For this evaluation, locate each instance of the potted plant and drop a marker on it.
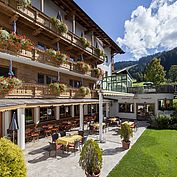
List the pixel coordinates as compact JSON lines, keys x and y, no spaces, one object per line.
{"x":98,"y":72}
{"x":61,"y":58}
{"x":57,"y":88}
{"x":84,"y":91}
{"x":23,"y":3}
{"x":99,"y":52}
{"x":91,"y":159}
{"x":83,"y":66}
{"x":125,"y":133}
{"x":60,"y":26}
{"x":85,"y":43}
{"x":9,"y":83}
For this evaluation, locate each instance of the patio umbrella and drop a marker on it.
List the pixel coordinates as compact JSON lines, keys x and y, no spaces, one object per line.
{"x":59,"y":17}
{"x":14,"y":27}
{"x":14,"y":126}
{"x":10,"y":73}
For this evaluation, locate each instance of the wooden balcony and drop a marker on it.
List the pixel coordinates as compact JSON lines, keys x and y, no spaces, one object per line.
{"x":40,"y":56}
{"x":35,"y":17}
{"x":29,"y":90}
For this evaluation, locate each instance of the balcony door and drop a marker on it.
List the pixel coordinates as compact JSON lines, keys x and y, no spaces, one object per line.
{"x":145,"y":111}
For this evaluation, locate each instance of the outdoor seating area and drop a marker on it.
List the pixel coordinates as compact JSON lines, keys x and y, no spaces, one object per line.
{"x":63,"y":150}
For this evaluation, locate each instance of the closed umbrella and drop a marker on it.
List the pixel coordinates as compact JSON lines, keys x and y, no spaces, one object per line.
{"x":14,"y":126}
{"x":10,"y":73}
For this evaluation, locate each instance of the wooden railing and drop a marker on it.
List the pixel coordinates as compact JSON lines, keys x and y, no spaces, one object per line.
{"x":44,"y":22}
{"x":29,"y":90}
{"x":40,"y":56}
{"x":152,"y":89}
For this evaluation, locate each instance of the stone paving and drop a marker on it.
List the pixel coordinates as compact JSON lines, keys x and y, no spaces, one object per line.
{"x":39,"y":164}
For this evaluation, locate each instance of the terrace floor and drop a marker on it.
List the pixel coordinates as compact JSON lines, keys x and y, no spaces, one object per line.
{"x":66,"y":165}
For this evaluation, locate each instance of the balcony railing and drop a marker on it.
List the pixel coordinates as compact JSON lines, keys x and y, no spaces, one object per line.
{"x":29,"y":90}
{"x":44,"y":22}
{"x":152,"y":89}
{"x":40,"y":56}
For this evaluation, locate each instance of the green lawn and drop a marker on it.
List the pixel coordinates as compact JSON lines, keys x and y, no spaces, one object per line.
{"x":138,"y":84}
{"x":153,"y":155}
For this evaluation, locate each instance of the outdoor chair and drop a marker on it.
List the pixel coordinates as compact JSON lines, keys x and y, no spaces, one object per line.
{"x":74,"y":146}
{"x":54,"y":137}
{"x":84,"y":139}
{"x":54,"y":147}
{"x":35,"y":136}
{"x":28,"y":134}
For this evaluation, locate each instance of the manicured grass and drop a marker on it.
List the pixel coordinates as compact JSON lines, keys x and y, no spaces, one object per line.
{"x":136,"y":84}
{"x":153,"y":155}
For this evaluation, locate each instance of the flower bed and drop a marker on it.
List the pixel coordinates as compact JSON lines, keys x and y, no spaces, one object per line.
{"x":7,"y":84}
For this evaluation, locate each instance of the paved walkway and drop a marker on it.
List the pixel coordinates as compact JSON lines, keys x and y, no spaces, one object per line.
{"x":66,"y":165}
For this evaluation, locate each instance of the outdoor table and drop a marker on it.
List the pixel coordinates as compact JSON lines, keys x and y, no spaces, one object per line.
{"x":97,"y":125}
{"x":68,"y":139}
{"x":129,"y":123}
{"x":112,"y":120}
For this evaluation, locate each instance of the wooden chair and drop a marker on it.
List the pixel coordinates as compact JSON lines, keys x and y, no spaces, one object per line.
{"x":35,"y":136}
{"x":74,"y":146}
{"x":54,"y":147}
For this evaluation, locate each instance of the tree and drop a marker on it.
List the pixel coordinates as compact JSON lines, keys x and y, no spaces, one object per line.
{"x":172,"y":74}
{"x":12,"y":163}
{"x":154,"y":72}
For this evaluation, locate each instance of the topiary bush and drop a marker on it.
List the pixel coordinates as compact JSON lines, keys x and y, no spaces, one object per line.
{"x":126,"y":132}
{"x":91,"y":158}
{"x":12,"y":163}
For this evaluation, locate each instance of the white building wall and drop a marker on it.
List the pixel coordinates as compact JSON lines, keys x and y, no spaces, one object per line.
{"x":107,"y":66}
{"x":138,"y":99}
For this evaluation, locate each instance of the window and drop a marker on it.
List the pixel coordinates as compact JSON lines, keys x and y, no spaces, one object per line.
{"x":50,"y":79}
{"x":126,"y":107}
{"x":166,"y":104}
{"x":75,"y":84}
{"x":29,"y":116}
{"x":106,"y":59}
{"x":45,"y":79}
{"x":4,"y":71}
{"x":65,"y":111}
{"x":41,"y":79}
{"x":47,"y":114}
{"x":41,"y":46}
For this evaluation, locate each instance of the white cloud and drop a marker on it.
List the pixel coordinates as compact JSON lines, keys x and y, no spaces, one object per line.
{"x":151,"y":29}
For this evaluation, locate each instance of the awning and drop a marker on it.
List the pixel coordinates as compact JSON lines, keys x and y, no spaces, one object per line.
{"x":11,"y":104}
{"x":112,"y":93}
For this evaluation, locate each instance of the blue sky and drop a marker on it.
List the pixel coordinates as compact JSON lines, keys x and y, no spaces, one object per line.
{"x":151,"y":25}
{"x":110,"y":15}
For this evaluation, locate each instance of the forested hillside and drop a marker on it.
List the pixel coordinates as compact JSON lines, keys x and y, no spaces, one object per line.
{"x":168,"y":58}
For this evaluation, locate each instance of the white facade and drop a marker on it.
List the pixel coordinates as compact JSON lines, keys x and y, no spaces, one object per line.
{"x":138,"y":99}
{"x":107,"y":65}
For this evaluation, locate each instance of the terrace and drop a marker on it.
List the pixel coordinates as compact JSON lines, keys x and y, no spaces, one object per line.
{"x":152,"y":89}
{"x":66,"y":164}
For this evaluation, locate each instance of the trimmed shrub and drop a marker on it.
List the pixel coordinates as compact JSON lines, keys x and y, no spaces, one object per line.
{"x":12,"y":162}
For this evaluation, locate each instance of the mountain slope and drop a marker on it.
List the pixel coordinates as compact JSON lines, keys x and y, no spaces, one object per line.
{"x":168,"y":58}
